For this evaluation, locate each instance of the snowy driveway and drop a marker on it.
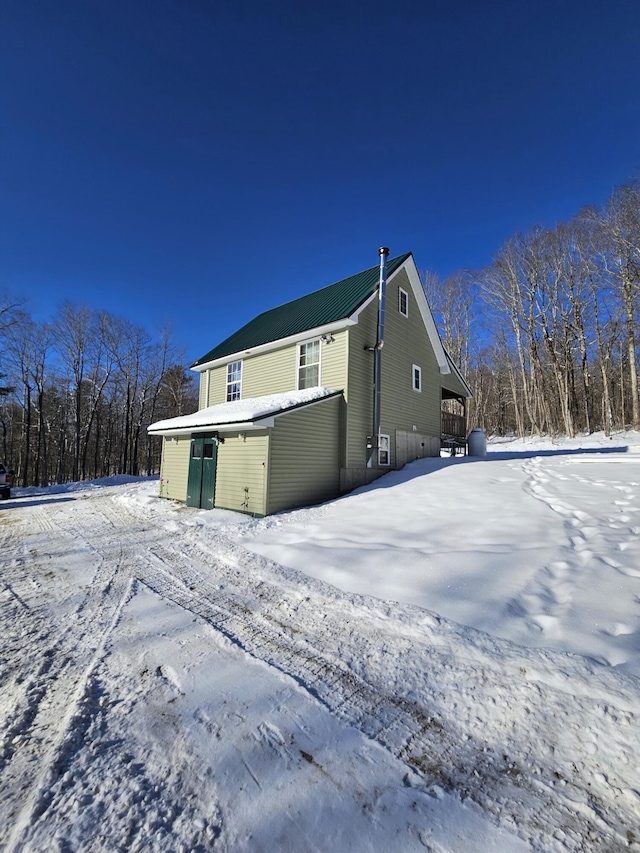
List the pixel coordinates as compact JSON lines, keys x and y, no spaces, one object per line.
{"x":163,"y":688}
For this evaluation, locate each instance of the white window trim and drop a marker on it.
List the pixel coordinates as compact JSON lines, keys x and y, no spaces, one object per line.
{"x":298,"y":348}
{"x":227,"y":383}
{"x":381,"y":450}
{"x":416,"y":368}
{"x":406,"y":298}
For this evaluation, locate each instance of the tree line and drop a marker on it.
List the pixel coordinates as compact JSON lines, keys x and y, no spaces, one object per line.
{"x":547,"y":335}
{"x":77,"y":394}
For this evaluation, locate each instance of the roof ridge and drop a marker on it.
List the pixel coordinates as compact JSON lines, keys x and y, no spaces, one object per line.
{"x":376,"y":267}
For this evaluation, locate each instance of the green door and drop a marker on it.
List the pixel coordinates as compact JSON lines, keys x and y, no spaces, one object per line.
{"x":201,"y":484}
{"x":209,"y":458}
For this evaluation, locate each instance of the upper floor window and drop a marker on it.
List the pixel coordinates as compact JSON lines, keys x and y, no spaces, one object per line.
{"x":403,"y":302}
{"x":309,"y":364}
{"x":234,"y":380}
{"x":416,"y":377}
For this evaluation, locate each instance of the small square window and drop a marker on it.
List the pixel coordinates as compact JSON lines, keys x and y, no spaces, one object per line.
{"x":416,"y":377}
{"x":403,"y":302}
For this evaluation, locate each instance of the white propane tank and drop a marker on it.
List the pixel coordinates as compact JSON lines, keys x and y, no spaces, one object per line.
{"x":477,"y":443}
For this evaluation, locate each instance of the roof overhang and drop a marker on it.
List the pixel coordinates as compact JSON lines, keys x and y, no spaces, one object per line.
{"x":425,"y":312}
{"x":240,"y":426}
{"x":454,"y":370}
{"x":265,"y":420}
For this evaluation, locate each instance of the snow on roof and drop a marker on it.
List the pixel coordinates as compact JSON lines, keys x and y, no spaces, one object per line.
{"x":241,"y":411}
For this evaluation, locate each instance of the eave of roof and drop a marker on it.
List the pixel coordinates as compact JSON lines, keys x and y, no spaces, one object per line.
{"x":456,"y":372}
{"x":253,"y":413}
{"x":320,"y":308}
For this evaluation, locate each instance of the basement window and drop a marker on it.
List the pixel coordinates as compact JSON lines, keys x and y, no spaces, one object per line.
{"x":403,"y":302}
{"x":234,"y":380}
{"x":309,"y":364}
{"x":384,"y":454}
{"x":416,"y":377}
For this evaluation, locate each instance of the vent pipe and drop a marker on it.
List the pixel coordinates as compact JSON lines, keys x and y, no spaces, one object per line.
{"x":382,"y":290}
{"x":377,"y":355}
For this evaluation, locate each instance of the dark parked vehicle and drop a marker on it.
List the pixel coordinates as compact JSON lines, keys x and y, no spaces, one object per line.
{"x":6,"y":481}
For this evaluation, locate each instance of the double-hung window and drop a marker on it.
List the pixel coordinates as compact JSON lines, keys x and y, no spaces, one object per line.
{"x":234,"y":380}
{"x":384,"y":457}
{"x":309,"y":364}
{"x":416,"y":377}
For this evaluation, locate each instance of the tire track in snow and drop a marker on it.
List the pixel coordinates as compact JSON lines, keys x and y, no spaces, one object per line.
{"x":38,"y":797}
{"x":43,"y":706}
{"x":71,"y":706}
{"x":26,"y":624}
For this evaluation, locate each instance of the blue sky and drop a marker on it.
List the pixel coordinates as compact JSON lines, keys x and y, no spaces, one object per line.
{"x":199,"y":162}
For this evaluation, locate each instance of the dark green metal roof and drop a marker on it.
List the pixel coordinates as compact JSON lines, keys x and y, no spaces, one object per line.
{"x":332,"y":303}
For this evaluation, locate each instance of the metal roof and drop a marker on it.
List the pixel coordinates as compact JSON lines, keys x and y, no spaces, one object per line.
{"x":335,"y":302}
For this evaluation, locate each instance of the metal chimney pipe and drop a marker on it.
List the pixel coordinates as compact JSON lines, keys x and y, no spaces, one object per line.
{"x":382,"y":290}
{"x":377,"y":354}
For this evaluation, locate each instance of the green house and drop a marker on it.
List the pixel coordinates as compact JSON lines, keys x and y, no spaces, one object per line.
{"x":316,"y":397}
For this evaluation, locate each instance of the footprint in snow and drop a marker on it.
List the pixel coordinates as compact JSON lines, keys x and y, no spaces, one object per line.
{"x":624,"y":570}
{"x":620,"y":629}
{"x":272,"y":736}
{"x":169,"y":677}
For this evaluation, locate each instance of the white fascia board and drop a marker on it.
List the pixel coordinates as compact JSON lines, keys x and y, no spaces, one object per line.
{"x":454,"y":370}
{"x":240,"y":426}
{"x":374,"y":296}
{"x":328,"y":328}
{"x":425,"y":313}
{"x":355,"y":317}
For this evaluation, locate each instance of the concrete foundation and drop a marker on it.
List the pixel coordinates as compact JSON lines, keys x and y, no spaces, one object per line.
{"x":353,"y":478}
{"x":412,"y":445}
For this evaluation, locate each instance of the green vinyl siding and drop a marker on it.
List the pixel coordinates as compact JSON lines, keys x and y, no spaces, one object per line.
{"x":270,"y":372}
{"x":333,"y":362}
{"x":304,"y":466}
{"x":406,"y":344}
{"x":213,"y":387}
{"x":218,"y":385}
{"x":241,"y":472}
{"x":359,"y":388}
{"x":174,"y":469}
{"x":275,"y":371}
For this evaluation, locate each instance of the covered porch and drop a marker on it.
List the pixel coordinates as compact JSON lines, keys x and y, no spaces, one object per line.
{"x":453,"y":423}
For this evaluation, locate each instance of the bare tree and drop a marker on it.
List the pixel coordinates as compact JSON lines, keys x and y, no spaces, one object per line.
{"x":74,"y":332}
{"x":620,"y":221}
{"x":26,"y":346}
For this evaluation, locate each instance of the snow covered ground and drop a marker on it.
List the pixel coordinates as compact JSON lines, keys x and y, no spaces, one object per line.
{"x":446,"y":660}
